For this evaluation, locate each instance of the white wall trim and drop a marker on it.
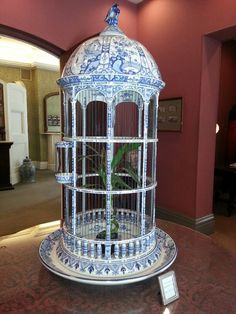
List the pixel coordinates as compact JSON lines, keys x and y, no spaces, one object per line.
{"x":41,"y":165}
{"x":51,"y":167}
{"x":15,"y":176}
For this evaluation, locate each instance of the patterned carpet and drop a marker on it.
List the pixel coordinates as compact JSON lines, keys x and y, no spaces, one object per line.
{"x":225,"y":227}
{"x":30,"y":204}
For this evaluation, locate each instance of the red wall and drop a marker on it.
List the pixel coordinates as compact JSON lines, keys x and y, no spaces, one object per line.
{"x":173,"y":31}
{"x":65,"y":22}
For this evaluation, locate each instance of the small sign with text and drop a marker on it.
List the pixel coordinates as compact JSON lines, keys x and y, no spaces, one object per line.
{"x":168,"y":286}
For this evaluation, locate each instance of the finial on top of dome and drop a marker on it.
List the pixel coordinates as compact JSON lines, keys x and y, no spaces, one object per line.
{"x":112,"y":15}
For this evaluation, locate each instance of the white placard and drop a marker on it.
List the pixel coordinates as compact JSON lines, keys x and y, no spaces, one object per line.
{"x":168,"y":286}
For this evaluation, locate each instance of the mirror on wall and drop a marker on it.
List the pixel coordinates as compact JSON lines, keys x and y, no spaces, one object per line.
{"x":52,"y":109}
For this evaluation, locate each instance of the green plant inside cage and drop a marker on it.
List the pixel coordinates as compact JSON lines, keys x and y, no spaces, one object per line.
{"x":98,"y":162}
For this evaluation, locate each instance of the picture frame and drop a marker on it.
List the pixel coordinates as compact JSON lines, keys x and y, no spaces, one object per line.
{"x":168,"y":286}
{"x":170,"y":114}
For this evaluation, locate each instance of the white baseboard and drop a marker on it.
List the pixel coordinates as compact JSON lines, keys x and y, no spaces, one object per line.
{"x":51,"y":167}
{"x":15,"y":177}
{"x":41,"y":165}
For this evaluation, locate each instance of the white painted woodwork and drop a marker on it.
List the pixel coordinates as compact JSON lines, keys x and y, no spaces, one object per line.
{"x":53,"y":138}
{"x":17,"y":127}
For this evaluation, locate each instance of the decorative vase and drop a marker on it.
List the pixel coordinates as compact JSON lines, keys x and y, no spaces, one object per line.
{"x":27,"y":171}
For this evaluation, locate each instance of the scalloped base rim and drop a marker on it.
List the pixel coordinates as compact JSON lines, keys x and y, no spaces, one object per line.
{"x":49,"y":258}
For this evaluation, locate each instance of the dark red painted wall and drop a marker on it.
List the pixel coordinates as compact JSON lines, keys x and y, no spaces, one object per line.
{"x":65,"y":22}
{"x":174,"y":32}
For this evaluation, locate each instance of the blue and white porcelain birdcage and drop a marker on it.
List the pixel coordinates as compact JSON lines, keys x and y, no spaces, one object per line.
{"x":107,"y":164}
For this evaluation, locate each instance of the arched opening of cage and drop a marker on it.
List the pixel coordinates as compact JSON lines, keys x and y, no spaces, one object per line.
{"x":91,"y":111}
{"x":126,"y":161}
{"x":128,"y":114}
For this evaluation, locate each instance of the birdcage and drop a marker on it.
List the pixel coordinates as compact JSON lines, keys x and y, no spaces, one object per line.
{"x":106,"y":163}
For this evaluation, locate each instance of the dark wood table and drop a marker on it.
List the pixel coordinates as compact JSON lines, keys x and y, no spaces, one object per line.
{"x":205,"y":273}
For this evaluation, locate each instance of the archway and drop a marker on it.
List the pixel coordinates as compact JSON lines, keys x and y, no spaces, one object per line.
{"x":35,"y":201}
{"x":32,"y":39}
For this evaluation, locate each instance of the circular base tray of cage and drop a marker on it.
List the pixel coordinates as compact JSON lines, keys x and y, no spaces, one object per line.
{"x":108,"y":273}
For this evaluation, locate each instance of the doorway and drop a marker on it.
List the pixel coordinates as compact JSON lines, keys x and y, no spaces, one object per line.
{"x":225,"y":226}
{"x":45,"y":190}
{"x":37,"y":71}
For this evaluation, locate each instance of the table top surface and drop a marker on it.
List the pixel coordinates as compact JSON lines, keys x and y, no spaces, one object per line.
{"x":205,"y":274}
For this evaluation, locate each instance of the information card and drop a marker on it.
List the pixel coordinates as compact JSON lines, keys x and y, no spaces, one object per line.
{"x":168,"y":286}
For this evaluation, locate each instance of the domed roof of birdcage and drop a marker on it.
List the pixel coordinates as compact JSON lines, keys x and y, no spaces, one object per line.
{"x":111,"y":58}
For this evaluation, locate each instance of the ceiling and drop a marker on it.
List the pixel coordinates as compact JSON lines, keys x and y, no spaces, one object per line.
{"x":135,"y":1}
{"x":15,"y":52}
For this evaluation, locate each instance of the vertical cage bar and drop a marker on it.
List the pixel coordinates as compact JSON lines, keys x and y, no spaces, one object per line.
{"x":65,"y":112}
{"x":84,"y":154}
{"x":140,"y":110}
{"x":109,"y":150}
{"x":144,"y":166}
{"x":66,"y":206}
{"x":64,"y":129}
{"x":154,"y":158}
{"x":74,"y":170}
{"x":66,"y":159}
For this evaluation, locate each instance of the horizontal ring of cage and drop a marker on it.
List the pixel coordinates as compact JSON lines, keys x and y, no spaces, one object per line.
{"x":64,"y":144}
{"x":84,"y":242}
{"x":96,"y":217}
{"x":127,"y":250}
{"x":62,"y":177}
{"x":103,"y":139}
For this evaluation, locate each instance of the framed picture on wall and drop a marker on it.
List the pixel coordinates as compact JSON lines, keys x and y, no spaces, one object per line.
{"x":170,"y":112}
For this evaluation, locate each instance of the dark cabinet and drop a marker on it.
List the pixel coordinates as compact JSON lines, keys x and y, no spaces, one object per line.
{"x":2,"y":117}
{"x":5,"y":166}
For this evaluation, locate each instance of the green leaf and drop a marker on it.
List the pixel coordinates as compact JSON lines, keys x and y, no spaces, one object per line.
{"x":87,"y":157}
{"x":118,"y":182}
{"x":89,"y":185}
{"x":132,"y":172}
{"x":93,"y":149}
{"x":102,"y":174}
{"x":114,"y":225}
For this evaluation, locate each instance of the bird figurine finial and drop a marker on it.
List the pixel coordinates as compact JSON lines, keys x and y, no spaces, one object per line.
{"x":112,"y":15}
